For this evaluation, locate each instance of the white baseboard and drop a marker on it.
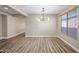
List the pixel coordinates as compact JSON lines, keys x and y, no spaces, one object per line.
{"x":41,"y":36}
{"x":77,"y":50}
{"x":14,"y":35}
{"x":3,"y":38}
{"x":11,"y":36}
{"x":0,"y":38}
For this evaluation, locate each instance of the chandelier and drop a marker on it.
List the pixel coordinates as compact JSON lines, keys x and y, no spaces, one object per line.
{"x":43,"y":16}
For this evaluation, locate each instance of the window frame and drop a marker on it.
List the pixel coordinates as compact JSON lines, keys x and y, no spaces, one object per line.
{"x":74,"y":11}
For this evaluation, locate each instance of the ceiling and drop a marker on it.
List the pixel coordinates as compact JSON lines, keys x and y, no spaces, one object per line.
{"x":35,"y":9}
{"x":3,"y":8}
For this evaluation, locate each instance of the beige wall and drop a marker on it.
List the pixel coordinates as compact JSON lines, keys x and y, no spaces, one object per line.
{"x":16,"y":25}
{"x":0,"y":27}
{"x":11,"y":25}
{"x":4,"y":26}
{"x":34,"y":27}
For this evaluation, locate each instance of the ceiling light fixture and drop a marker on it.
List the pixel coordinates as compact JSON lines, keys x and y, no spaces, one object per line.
{"x":43,"y":16}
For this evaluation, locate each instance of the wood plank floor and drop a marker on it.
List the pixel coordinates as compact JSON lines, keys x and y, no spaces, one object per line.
{"x":20,"y":44}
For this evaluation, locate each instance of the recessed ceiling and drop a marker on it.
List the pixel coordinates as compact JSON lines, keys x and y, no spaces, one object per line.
{"x":37,"y":9}
{"x":7,"y":9}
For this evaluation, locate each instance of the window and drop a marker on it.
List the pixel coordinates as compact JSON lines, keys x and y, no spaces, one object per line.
{"x":72,"y":13}
{"x":69,"y":23}
{"x":78,"y":10}
{"x":72,"y":24}
{"x":64,"y":17}
{"x":72,"y":27}
{"x":64,"y":24}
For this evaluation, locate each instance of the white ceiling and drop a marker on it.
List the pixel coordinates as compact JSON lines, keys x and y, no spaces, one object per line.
{"x":37,"y":9}
{"x":9,"y":10}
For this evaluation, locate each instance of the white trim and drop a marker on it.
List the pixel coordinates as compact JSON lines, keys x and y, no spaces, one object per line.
{"x":0,"y":38}
{"x":3,"y":38}
{"x":77,"y":50}
{"x":17,"y":9}
{"x":41,"y":36}
{"x":14,"y":35}
{"x":11,"y":36}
